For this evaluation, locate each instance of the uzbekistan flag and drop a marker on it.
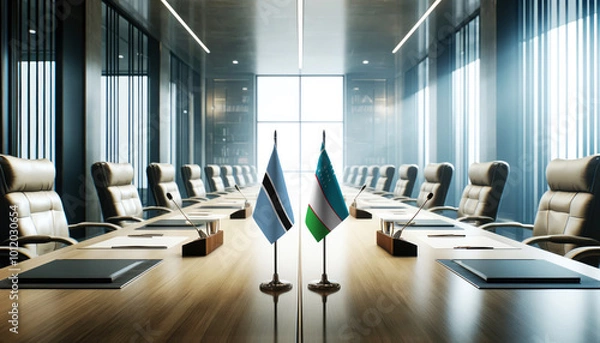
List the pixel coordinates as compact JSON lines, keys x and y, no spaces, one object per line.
{"x":327,"y":208}
{"x":273,"y":212}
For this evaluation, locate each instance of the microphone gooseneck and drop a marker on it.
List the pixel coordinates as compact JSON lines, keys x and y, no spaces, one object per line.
{"x":399,"y":233}
{"x":201,"y":233}
{"x":360,"y":191}
{"x":237,"y":188}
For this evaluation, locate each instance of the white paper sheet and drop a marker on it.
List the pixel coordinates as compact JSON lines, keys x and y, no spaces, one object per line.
{"x":150,"y":242}
{"x":466,"y":243}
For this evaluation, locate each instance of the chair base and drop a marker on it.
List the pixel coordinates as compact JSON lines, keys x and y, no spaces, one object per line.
{"x":396,"y":246}
{"x":203,"y":246}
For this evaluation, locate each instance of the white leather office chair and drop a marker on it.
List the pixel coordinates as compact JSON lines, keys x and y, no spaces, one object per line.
{"x":568,"y":215}
{"x":27,"y":195}
{"x":119,"y":198}
{"x":480,"y":199}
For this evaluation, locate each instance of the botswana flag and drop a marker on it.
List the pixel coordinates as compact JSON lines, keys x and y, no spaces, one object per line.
{"x":273,"y":212}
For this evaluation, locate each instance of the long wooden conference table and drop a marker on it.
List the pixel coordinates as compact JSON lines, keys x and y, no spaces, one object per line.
{"x":382,"y":298}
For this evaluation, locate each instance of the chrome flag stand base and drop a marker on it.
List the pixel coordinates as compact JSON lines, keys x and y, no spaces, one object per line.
{"x":324,"y":285}
{"x":275,"y":285}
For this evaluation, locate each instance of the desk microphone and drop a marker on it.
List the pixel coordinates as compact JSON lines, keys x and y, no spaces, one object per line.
{"x":399,"y":233}
{"x":360,"y":191}
{"x":239,"y":190}
{"x":201,"y":233}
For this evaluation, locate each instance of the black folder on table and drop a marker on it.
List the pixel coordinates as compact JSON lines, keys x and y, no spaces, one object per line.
{"x":519,"y":271}
{"x":78,"y":271}
{"x":83,"y":273}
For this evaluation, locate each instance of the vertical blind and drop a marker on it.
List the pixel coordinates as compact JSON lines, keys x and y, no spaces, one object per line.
{"x":559,"y":52}
{"x":32,"y":61}
{"x":415,"y":103}
{"x":465,"y":97}
{"x":125,"y":100}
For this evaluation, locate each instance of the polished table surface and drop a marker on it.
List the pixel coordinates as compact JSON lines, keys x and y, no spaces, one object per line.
{"x":382,"y":298}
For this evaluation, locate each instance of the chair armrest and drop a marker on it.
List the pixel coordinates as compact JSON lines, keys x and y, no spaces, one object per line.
{"x":495,"y":225}
{"x":443,"y":208}
{"x":406,"y":199}
{"x":194,"y":200}
{"x":579,"y":254}
{"x":402,"y":197}
{"x":40,"y":239}
{"x":118,"y":219}
{"x":107,"y":226}
{"x":199,"y":198}
{"x":213,"y":195}
{"x":563,"y":239}
{"x":157,"y":208}
{"x":479,"y":220}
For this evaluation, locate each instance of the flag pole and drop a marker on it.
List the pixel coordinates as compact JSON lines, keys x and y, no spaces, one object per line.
{"x":324,"y":285}
{"x":275,"y":286}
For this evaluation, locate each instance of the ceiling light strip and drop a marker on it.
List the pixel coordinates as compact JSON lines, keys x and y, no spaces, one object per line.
{"x":300,"y":20}
{"x":185,"y":26}
{"x":414,"y":28}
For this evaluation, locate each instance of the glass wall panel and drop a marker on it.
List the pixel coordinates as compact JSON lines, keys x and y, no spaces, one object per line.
{"x":465,"y":96}
{"x":125,"y":95}
{"x":279,"y":99}
{"x":322,"y":109}
{"x":185,"y":105}
{"x":33,"y":74}
{"x":561,"y":75}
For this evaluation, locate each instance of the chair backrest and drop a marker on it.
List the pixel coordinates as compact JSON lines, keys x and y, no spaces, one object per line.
{"x":352,"y":175}
{"x":361,"y":175}
{"x":254,"y":173}
{"x":27,"y":186}
{"x":481,"y":197}
{"x":571,"y":205}
{"x":213,"y":177}
{"x":192,"y":179}
{"x":114,"y":185}
{"x":372,"y":175}
{"x":407,"y":177}
{"x":386,"y":176}
{"x":346,"y":175}
{"x":238,"y":175}
{"x":161,"y":179}
{"x":437,"y":181}
{"x":227,"y":175}
{"x":247,"y":172}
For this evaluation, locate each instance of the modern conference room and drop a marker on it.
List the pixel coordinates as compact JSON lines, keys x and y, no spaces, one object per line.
{"x":299,"y":171}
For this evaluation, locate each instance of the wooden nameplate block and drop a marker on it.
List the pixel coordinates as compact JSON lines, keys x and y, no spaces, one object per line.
{"x":203,"y":246}
{"x":396,"y":246}
{"x":358,"y":213}
{"x":243,"y":213}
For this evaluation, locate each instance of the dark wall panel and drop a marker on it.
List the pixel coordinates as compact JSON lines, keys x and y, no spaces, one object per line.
{"x":70,"y":109}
